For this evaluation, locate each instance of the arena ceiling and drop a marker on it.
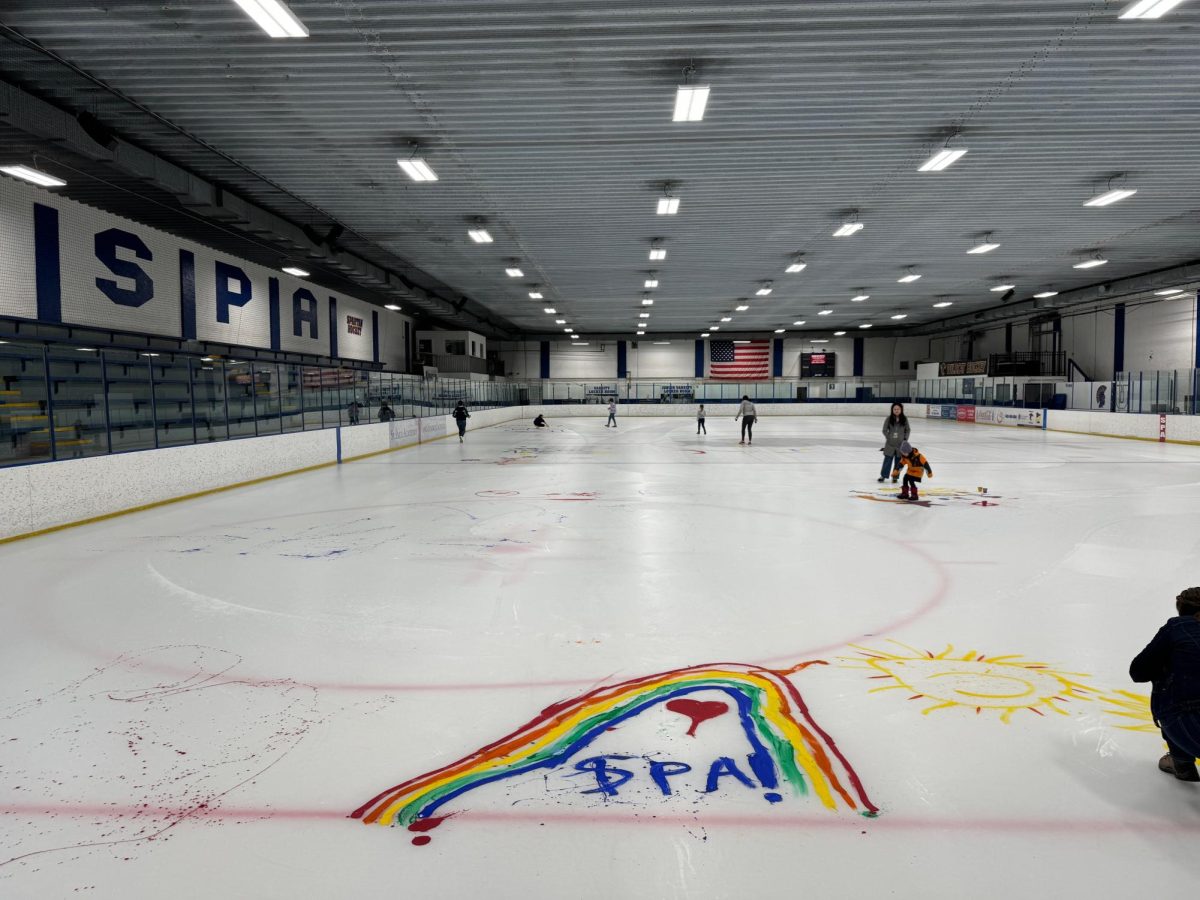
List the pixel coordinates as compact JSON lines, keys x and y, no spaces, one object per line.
{"x":550,"y":124}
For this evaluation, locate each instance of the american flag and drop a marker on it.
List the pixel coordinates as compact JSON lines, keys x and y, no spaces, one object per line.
{"x":741,"y":361}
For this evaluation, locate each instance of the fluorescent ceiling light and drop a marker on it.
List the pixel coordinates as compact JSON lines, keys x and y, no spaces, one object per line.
{"x":550,"y":310}
{"x":560,"y":321}
{"x":796,"y":267}
{"x":741,"y":308}
{"x":860,"y":298}
{"x":1110,"y":197}
{"x":296,"y":270}
{"x":1168,"y":293}
{"x":641,"y":333}
{"x":568,"y":330}
{"x":574,"y":337}
{"x":1089,"y":264}
{"x":647,"y":301}
{"x":1001,"y":288}
{"x":943,"y":304}
{"x":714,"y":327}
{"x":741,"y":342}
{"x":149,"y":354}
{"x":823,"y":340}
{"x":651,"y":283}
{"x":514,"y":273}
{"x":704,"y":334}
{"x":835,"y":334}
{"x":848,"y":229}
{"x":909,"y":278}
{"x":868,"y":325}
{"x":208,"y":359}
{"x":86,"y":349}
{"x":1044,"y":294}
{"x":480,"y":235}
{"x":825,"y":312}
{"x":899,"y":316}
{"x":668,"y":206}
{"x":763,"y":291}
{"x":690,"y":101}
{"x":274,"y":18}
{"x":417,"y":169}
{"x":798,"y":322}
{"x":780,"y":330}
{"x":727,"y":319}
{"x":941,"y":160}
{"x":643,"y":315}
{"x":662,"y":343}
{"x":1149,"y":9}
{"x":658,"y":253}
{"x":985,"y":247}
{"x":392,"y":306}
{"x":28,"y":174}
{"x":535,"y":295}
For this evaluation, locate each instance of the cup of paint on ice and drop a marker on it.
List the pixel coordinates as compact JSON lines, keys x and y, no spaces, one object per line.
{"x":981,"y":490}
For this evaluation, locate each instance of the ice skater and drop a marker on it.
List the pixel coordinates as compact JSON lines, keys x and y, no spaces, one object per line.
{"x":540,"y":421}
{"x":1171,"y":663}
{"x":895,"y":433}
{"x":355,"y":409}
{"x":748,"y":413}
{"x":700,"y":420}
{"x":612,"y":414}
{"x":915,"y":464}
{"x":386,"y":413}
{"x":461,"y":415}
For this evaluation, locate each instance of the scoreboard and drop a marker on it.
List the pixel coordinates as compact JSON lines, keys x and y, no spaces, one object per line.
{"x":818,"y":365}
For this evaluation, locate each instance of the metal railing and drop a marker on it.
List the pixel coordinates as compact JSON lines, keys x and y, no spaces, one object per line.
{"x":62,"y":402}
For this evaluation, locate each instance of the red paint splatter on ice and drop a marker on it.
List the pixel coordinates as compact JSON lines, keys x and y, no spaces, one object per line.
{"x":698,"y":711}
{"x":421,"y":840}
{"x":427,"y":824}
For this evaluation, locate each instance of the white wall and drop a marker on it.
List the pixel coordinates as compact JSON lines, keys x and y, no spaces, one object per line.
{"x":675,"y":360}
{"x":598,"y":360}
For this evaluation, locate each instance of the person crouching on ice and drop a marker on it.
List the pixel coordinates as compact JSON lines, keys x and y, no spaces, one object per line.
{"x":916,"y":465}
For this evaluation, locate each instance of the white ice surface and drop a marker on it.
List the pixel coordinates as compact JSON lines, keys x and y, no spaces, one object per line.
{"x":192,"y":699}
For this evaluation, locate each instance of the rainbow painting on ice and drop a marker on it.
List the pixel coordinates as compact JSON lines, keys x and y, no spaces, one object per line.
{"x":787,"y":747}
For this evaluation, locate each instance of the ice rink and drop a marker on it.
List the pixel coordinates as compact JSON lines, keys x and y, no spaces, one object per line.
{"x":569,"y":663}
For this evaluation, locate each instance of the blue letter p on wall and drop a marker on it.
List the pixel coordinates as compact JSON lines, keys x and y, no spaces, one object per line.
{"x":233,"y":289}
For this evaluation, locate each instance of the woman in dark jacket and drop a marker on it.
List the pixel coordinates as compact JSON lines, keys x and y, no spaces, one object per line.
{"x":895,"y":433}
{"x":1171,"y":662}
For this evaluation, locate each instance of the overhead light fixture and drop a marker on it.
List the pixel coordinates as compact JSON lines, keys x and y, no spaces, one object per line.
{"x":274,"y":17}
{"x":825,"y":312}
{"x":690,"y":101}
{"x":416,"y":168}
{"x":764,"y":289}
{"x":835,"y":334}
{"x":798,"y":322}
{"x":650,"y":283}
{"x":741,"y":342}
{"x":568,"y":330}
{"x":202,"y":359}
{"x":899,"y":316}
{"x":823,"y":340}
{"x":944,"y":158}
{"x":909,"y":278}
{"x":149,"y":354}
{"x":640,"y":333}
{"x":860,"y":298}
{"x":714,"y":327}
{"x":1108,"y":198}
{"x":1149,"y":9}
{"x":1044,"y":294}
{"x":560,"y":321}
{"x":780,"y":330}
{"x":798,"y":265}
{"x":656,"y":250}
{"x":480,"y":235}
{"x":667,"y":205}
{"x":550,"y":310}
{"x":514,"y":272}
{"x":392,"y":306}
{"x":742,"y":308}
{"x":1001,"y":288}
{"x":943,"y":304}
{"x":535,"y":295}
{"x":91,"y":350}
{"x":868,"y":325}
{"x":727,"y":319}
{"x":643,"y":315}
{"x":849,"y":227}
{"x":662,"y":343}
{"x":33,"y":175}
{"x":296,"y":270}
{"x":1168,"y":293}
{"x":987,"y":245}
{"x":647,"y":301}
{"x":1090,"y":263}
{"x":704,"y":334}
{"x":574,"y":337}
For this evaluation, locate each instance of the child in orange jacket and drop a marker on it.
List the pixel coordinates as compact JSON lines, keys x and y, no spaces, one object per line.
{"x":917,"y":466}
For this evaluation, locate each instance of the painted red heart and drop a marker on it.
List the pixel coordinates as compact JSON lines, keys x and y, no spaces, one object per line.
{"x":698,"y":711}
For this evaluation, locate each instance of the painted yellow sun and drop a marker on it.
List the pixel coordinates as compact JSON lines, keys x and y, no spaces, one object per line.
{"x":972,"y":680}
{"x":1134,"y":708}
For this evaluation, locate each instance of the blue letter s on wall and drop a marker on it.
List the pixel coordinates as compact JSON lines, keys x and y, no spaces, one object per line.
{"x":107,"y":244}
